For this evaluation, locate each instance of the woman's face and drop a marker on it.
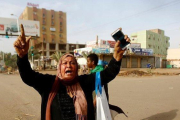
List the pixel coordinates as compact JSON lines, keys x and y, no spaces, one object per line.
{"x":68,"y":68}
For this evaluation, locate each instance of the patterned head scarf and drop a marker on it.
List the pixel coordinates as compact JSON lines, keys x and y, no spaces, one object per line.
{"x":74,"y":90}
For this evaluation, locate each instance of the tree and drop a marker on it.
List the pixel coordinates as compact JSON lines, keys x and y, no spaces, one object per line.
{"x":56,"y":56}
{"x":1,"y":55}
{"x":36,"y":54}
{"x":10,"y":60}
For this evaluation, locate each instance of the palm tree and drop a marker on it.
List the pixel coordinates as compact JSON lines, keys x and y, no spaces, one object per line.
{"x":56,"y":56}
{"x":36,"y":54}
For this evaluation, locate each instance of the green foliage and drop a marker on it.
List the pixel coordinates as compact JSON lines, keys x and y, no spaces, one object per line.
{"x":36,"y":54}
{"x":10,"y":60}
{"x":1,"y":55}
{"x":56,"y":56}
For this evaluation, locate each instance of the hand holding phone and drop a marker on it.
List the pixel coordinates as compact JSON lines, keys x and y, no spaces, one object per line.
{"x":118,"y":35}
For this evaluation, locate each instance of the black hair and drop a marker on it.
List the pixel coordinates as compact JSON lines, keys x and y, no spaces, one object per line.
{"x":93,"y":57}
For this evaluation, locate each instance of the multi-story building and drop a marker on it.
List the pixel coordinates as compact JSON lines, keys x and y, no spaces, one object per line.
{"x":173,"y":58}
{"x":152,"y":39}
{"x":53,"y":31}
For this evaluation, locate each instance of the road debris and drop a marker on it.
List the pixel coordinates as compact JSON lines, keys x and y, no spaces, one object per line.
{"x":28,"y":115}
{"x":133,"y":73}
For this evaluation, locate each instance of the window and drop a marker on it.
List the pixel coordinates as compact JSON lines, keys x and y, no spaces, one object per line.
{"x":52,"y":23}
{"x":44,"y":40}
{"x":60,"y":36}
{"x":61,"y":30}
{"x":53,"y":40}
{"x":43,"y":28}
{"x":44,"y":22}
{"x":149,"y":46}
{"x":60,"y":23}
{"x":52,"y":16}
{"x":44,"y":15}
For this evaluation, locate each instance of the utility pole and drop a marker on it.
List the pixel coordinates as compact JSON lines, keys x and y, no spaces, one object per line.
{"x":32,"y":55}
{"x":2,"y":50}
{"x":17,"y":22}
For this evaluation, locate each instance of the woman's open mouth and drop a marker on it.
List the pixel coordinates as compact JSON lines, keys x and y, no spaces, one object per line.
{"x":68,"y":72}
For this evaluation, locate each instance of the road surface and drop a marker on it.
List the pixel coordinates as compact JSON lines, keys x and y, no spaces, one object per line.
{"x":141,"y":98}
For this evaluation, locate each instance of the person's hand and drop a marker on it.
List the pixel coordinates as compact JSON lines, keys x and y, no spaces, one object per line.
{"x":21,"y":45}
{"x":118,"y":52}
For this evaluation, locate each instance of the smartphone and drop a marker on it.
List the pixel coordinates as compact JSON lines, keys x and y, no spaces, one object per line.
{"x":118,"y":35}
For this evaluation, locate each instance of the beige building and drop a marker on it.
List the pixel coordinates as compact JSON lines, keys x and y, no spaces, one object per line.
{"x":53,"y":31}
{"x":173,"y":58}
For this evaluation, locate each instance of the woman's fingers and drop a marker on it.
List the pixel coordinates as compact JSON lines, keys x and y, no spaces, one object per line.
{"x":28,"y":39}
{"x":117,"y":44}
{"x":127,"y":38}
{"x":23,"y":38}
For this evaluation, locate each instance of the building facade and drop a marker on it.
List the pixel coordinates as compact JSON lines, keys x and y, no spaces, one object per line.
{"x":152,"y":39}
{"x":173,"y":58}
{"x":53,"y":31}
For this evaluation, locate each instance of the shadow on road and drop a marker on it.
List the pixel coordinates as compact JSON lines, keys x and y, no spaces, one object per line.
{"x":163,"y":116}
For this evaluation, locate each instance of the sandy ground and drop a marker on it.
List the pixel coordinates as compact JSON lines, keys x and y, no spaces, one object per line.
{"x":160,"y":70}
{"x":141,"y":98}
{"x":147,"y":98}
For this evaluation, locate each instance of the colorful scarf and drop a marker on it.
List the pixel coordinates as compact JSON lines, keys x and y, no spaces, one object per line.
{"x":74,"y":90}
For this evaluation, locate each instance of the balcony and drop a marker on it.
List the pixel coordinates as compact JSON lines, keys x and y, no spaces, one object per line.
{"x":44,"y":22}
{"x":52,"y":23}
{"x":61,"y":30}
{"x":61,"y":36}
{"x":35,"y":17}
{"x":52,"y":14}
{"x":61,"y":24}
{"x":43,"y":28}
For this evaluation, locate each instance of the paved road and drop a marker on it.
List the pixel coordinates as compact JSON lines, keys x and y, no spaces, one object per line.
{"x":143,"y":98}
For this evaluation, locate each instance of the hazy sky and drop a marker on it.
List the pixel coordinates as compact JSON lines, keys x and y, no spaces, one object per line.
{"x":88,"y":18}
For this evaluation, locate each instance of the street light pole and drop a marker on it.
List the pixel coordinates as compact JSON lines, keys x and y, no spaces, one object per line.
{"x":32,"y":55}
{"x":19,"y":34}
{"x":2,"y":49}
{"x":17,"y":23}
